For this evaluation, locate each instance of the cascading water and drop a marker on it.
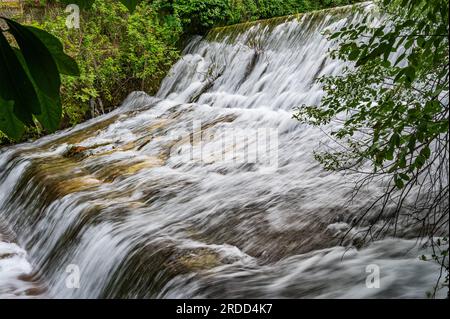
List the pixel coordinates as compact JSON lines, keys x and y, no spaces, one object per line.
{"x":128,"y":207}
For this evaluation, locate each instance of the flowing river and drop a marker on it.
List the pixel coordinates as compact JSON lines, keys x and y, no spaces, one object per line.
{"x":208,"y":189}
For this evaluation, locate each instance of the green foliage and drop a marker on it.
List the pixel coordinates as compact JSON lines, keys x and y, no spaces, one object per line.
{"x":391,"y":104}
{"x":116,"y":52}
{"x":9,"y":123}
{"x":16,"y":86}
{"x":439,"y":255}
{"x":198,"y":16}
{"x":397,"y":93}
{"x":121,"y":46}
{"x":66,"y":65}
{"x":85,"y":4}
{"x":30,"y":78}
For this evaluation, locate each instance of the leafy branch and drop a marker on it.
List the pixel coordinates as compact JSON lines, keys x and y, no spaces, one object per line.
{"x":391,"y":115}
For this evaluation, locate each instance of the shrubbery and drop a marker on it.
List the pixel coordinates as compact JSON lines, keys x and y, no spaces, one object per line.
{"x":118,"y":52}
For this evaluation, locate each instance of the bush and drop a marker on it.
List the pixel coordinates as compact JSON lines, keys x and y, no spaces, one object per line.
{"x":198,"y":16}
{"x":118,"y":52}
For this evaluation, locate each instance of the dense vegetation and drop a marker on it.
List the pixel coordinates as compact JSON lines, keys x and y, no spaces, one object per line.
{"x":118,"y":51}
{"x":198,"y":16}
{"x":392,"y":110}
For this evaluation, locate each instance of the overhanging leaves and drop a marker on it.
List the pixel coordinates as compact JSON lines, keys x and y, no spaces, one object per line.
{"x":51,"y":109}
{"x":39,"y":60}
{"x":66,"y":65}
{"x":30,"y":79}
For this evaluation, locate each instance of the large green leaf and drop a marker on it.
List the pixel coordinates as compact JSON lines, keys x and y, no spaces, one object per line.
{"x":15,"y":84}
{"x":39,"y":60}
{"x":66,"y":65}
{"x":51,"y":108}
{"x":9,"y":123}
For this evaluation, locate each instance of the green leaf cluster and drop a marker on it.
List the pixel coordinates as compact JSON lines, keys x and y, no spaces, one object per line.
{"x":121,"y":46}
{"x":30,"y":66}
{"x":392,"y":101}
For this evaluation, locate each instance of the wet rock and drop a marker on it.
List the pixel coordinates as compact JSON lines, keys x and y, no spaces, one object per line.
{"x":193,"y":260}
{"x":79,"y":135}
{"x":112,"y":172}
{"x":153,"y":265}
{"x":76,"y":152}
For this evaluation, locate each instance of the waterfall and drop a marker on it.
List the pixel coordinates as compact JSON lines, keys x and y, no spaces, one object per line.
{"x":208,"y":189}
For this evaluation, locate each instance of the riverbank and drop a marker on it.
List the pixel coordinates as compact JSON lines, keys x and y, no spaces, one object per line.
{"x":118,"y":52}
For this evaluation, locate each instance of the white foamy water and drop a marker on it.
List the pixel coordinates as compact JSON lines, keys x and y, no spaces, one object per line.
{"x":13,"y":265}
{"x":122,"y":206}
